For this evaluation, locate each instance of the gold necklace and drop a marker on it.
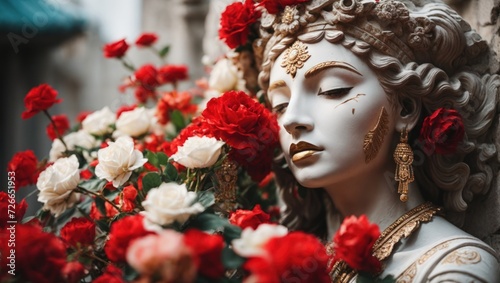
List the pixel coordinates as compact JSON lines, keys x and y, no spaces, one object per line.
{"x":403,"y":227}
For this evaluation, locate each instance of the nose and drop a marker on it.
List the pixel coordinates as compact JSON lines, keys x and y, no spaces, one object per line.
{"x":297,"y":118}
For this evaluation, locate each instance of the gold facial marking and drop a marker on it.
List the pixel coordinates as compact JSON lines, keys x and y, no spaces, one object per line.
{"x":374,"y":138}
{"x":349,"y":99}
{"x":330,"y":64}
{"x":276,"y":84}
{"x":294,"y":58}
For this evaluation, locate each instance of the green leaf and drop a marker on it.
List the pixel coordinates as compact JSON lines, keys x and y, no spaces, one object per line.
{"x":164,"y":51}
{"x":151,"y":180}
{"x":178,"y":120}
{"x":230,"y":259}
{"x":162,"y":158}
{"x":171,"y":173}
{"x":210,"y":222}
{"x":94,"y":185}
{"x":206,"y":198}
{"x":99,"y":203}
{"x":130,"y":274}
{"x":102,"y":224}
{"x":152,"y":158}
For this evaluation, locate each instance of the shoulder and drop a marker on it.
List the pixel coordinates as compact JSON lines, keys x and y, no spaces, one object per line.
{"x":450,"y":255}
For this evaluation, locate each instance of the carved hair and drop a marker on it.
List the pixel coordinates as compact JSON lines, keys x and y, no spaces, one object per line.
{"x":443,"y":75}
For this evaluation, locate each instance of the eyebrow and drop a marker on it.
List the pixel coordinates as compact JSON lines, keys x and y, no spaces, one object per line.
{"x":276,"y":84}
{"x":330,"y":64}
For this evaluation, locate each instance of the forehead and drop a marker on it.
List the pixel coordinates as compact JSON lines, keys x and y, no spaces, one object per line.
{"x":322,"y":51}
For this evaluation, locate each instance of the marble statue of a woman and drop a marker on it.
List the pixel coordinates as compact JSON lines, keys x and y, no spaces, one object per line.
{"x":384,"y":110}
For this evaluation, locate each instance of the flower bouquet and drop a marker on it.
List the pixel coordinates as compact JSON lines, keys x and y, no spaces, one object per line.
{"x":165,"y":190}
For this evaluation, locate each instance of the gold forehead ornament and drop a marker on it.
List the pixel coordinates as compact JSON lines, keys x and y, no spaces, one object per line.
{"x":294,"y":57}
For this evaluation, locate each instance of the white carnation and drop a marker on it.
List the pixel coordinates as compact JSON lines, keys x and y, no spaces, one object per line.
{"x":56,"y":185}
{"x":133,"y":123}
{"x":252,"y":241}
{"x":118,"y":160}
{"x":100,"y":122}
{"x":198,"y":152}
{"x":170,"y":202}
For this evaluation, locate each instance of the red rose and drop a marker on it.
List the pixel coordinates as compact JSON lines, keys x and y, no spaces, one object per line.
{"x":127,"y":198}
{"x":172,"y":73}
{"x":296,"y":257}
{"x":442,"y":131}
{"x":62,"y":125}
{"x":122,"y":233}
{"x":115,"y":49}
{"x":249,"y":218}
{"x":275,"y":6}
{"x":7,"y":202}
{"x":146,"y":75}
{"x":73,"y":272}
{"x":124,"y":108}
{"x":38,"y":99}
{"x":24,"y":165}
{"x":40,"y":256}
{"x":78,"y":231}
{"x":247,"y":127}
{"x":112,"y":274}
{"x":208,"y":250}
{"x":96,"y":214}
{"x":146,"y":39}
{"x":353,"y":243}
{"x":86,"y":174}
{"x":236,"y":22}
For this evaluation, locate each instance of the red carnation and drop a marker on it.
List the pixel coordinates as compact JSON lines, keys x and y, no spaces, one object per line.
{"x":61,"y":126}
{"x":208,"y":250}
{"x":249,"y":218}
{"x":236,"y":22}
{"x":122,"y":233}
{"x":171,"y":101}
{"x":291,"y":258}
{"x":124,"y":108}
{"x":112,"y":274}
{"x":247,"y":127}
{"x":146,"y":39}
{"x":275,"y":6}
{"x":78,"y":231}
{"x":73,"y":272}
{"x":127,"y":198}
{"x":172,"y":73}
{"x":7,"y":202}
{"x":96,"y":214}
{"x":38,"y":99}
{"x":40,"y":256}
{"x":142,"y":94}
{"x":146,"y":75}
{"x":442,"y":131}
{"x":115,"y":49}
{"x":353,"y":243}
{"x":24,"y":166}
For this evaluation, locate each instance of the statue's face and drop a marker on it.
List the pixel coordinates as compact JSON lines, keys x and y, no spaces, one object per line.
{"x":325,"y":112}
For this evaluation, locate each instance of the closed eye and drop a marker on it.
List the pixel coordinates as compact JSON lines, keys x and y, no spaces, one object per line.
{"x":335,"y":93}
{"x":280,"y":108}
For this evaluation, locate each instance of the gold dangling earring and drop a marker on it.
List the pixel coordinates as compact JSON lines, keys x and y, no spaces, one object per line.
{"x":403,"y":156}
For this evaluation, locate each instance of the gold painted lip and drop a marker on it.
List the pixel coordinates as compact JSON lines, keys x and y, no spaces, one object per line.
{"x":303,"y":150}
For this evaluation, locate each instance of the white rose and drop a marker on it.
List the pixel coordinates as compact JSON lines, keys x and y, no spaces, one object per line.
{"x":170,"y":202}
{"x":133,"y":123}
{"x":118,"y":160}
{"x":56,"y":185}
{"x":198,"y":152}
{"x":224,"y":76}
{"x":72,"y":140}
{"x":99,"y":122}
{"x":251,"y":241}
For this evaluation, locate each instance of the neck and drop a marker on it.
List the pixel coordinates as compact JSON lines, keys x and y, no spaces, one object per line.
{"x":375,"y":196}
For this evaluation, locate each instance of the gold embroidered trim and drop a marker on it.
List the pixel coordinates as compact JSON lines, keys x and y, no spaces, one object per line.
{"x":462,"y":257}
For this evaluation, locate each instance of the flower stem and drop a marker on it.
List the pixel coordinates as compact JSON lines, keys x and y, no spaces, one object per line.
{"x":85,"y":191}
{"x":127,"y":64}
{"x":55,"y":128}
